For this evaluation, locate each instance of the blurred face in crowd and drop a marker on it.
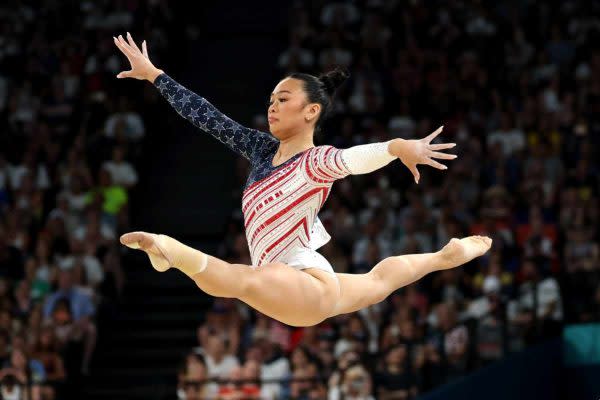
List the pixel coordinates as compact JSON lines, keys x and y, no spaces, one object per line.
{"x":215,"y":346}
{"x":65,"y":280}
{"x":254,"y":353}
{"x":529,"y":270}
{"x":17,"y":359}
{"x":299,"y":357}
{"x":396,"y":356}
{"x":196,"y":369}
{"x":104,"y":178}
{"x":289,"y":110}
{"x":251,"y":370}
{"x":62,"y":313}
{"x":5,"y":320}
{"x":356,"y":380}
{"x":47,"y":338}
{"x":407,"y":329}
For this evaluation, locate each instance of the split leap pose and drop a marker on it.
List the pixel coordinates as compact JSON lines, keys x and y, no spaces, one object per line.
{"x":289,"y":181}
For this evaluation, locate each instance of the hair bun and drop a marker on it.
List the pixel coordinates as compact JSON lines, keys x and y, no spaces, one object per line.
{"x":334,"y":79}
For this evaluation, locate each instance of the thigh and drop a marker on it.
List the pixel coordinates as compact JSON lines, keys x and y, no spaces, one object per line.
{"x":357,"y":291}
{"x":295,"y":297}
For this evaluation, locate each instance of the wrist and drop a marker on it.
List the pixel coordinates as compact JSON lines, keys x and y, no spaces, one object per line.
{"x":398,"y":147}
{"x":154,"y":73}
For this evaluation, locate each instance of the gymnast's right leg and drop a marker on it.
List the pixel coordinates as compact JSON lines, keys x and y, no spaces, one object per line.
{"x":286,"y":294}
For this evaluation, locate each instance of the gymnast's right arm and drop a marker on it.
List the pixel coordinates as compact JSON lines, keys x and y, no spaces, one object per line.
{"x":247,"y":142}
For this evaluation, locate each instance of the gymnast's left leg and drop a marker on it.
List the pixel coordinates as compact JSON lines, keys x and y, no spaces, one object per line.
{"x":362,"y":290}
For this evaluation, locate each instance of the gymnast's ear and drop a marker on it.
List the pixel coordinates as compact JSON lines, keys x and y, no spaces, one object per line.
{"x":312,"y":112}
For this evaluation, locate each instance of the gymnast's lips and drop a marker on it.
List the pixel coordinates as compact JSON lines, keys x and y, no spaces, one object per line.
{"x":272,"y":119}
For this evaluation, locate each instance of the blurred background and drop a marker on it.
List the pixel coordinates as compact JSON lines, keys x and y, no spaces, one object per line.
{"x":85,"y":157}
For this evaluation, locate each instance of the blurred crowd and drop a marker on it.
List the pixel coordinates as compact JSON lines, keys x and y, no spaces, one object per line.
{"x":517,"y":87}
{"x":69,"y":144}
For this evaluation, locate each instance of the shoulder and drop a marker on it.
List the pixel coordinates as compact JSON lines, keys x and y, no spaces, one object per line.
{"x":263,"y":143}
{"x":323,"y":151}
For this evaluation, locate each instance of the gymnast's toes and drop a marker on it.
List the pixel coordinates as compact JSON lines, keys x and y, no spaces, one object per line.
{"x":137,"y":240}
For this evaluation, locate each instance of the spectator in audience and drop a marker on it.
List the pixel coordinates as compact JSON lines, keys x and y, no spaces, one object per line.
{"x":222,"y":319}
{"x":274,"y":367}
{"x":219,"y":364}
{"x":75,"y":313}
{"x":23,"y":375}
{"x":193,"y":380}
{"x":122,"y":172}
{"x":355,"y":384}
{"x":125,"y":125}
{"x":396,"y":380}
{"x":46,"y":351}
{"x":538,"y":307}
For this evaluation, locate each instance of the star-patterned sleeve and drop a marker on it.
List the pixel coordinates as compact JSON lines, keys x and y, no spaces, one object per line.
{"x":249,"y":143}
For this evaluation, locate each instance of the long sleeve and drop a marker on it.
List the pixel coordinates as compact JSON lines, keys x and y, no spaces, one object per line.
{"x":249,"y":143}
{"x":326,"y":163}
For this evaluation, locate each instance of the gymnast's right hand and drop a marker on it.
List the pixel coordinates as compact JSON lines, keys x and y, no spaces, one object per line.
{"x":141,"y":66}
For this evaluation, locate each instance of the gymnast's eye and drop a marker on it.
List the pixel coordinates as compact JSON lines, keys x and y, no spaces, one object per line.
{"x":270,"y":103}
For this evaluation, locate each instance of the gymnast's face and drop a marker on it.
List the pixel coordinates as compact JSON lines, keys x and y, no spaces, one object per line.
{"x":290,"y":111}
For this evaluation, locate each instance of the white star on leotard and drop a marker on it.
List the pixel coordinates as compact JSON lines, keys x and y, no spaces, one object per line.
{"x":230,"y":142}
{"x":210,"y":113}
{"x":193,"y":114}
{"x":162,"y":85}
{"x":185,"y":99}
{"x":219,"y":126}
{"x":203,"y":125}
{"x":171,"y":98}
{"x":245,"y":137}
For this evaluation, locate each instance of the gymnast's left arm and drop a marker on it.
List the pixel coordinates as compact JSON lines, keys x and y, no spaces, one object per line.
{"x":367,"y":158}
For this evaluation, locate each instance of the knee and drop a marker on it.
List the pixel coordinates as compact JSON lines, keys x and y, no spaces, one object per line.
{"x":381,"y":286}
{"x":378,"y":290}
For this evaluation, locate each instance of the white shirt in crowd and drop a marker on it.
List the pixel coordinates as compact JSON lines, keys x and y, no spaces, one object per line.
{"x":223,"y":368}
{"x":105,"y":230}
{"x":18,"y":172}
{"x":548,"y":293}
{"x":134,"y":125}
{"x":122,"y":173}
{"x":278,"y":369}
{"x":511,"y":140}
{"x":94,"y":273}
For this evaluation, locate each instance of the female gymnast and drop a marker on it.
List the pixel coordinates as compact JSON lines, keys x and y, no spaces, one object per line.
{"x":289,"y":181}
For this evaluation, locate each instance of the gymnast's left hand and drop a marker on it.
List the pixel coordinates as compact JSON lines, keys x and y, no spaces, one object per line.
{"x":421,"y":151}
{"x":141,"y":66}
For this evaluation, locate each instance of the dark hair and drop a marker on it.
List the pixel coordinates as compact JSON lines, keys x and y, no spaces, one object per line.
{"x":321,"y":89}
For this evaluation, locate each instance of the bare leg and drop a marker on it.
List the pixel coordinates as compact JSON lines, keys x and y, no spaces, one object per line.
{"x":362,"y":290}
{"x":299,"y":298}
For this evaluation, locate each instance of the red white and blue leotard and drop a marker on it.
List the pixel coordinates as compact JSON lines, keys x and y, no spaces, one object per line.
{"x":280,"y":203}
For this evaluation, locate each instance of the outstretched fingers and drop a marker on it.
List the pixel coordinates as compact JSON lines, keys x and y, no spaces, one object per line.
{"x":435,"y":164}
{"x":132,"y":43}
{"x":442,"y":146}
{"x":145,"y":50}
{"x":442,"y":156}
{"x":434,"y":134}
{"x":124,"y":47}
